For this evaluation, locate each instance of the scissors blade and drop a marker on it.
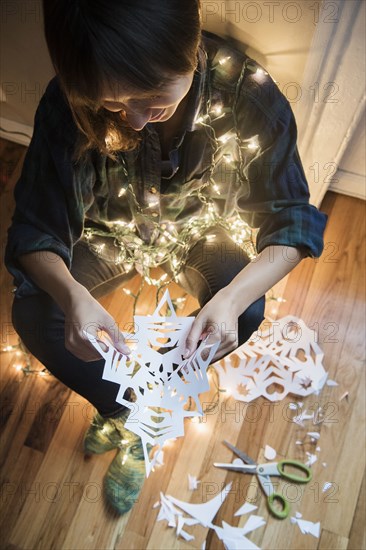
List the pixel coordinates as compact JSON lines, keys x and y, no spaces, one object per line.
{"x":240,"y":453}
{"x":266,"y":484}
{"x":245,"y":468}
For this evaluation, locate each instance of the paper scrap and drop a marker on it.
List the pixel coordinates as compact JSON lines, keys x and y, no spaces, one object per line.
{"x":159,"y":457}
{"x":324,"y":464}
{"x":186,"y":535}
{"x":311,"y":459}
{"x":239,"y":544}
{"x":318,"y":449}
{"x":203,"y":512}
{"x":180,"y":531}
{"x":327,"y":485}
{"x":161,"y":379}
{"x":192,"y":483}
{"x":253,"y":523}
{"x":300,"y":418}
{"x":331,"y":382}
{"x":298,"y":515}
{"x":269,"y":453}
{"x":308,"y":527}
{"x":314,"y":435}
{"x":245,"y":509}
{"x":344,"y":396}
{"x":234,"y":537}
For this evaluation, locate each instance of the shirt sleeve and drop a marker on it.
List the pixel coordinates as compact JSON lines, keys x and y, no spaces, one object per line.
{"x":275,"y":194}
{"x":49,"y":206}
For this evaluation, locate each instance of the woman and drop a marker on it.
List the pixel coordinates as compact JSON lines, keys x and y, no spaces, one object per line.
{"x":155,"y":138}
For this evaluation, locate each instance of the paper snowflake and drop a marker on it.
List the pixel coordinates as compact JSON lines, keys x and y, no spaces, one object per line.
{"x":162,"y":381}
{"x":285,"y":359}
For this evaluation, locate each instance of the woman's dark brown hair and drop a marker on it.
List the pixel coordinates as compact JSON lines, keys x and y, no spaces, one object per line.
{"x":99,"y":43}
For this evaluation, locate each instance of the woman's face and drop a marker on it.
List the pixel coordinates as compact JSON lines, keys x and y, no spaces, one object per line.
{"x":143,"y":107}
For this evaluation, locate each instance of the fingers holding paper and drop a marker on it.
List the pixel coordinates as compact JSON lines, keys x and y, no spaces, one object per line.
{"x":219,"y":322}
{"x":84,"y":314}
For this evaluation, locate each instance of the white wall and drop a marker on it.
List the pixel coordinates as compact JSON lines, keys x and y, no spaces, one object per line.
{"x":25,"y":65}
{"x":276,"y":33}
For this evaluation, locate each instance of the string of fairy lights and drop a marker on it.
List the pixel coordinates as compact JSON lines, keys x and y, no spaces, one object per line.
{"x":171,"y":244}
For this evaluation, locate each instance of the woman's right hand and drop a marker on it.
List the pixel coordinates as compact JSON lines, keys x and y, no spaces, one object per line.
{"x":84,"y":313}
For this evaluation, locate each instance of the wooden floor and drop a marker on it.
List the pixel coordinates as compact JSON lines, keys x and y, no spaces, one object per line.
{"x":51,"y":496}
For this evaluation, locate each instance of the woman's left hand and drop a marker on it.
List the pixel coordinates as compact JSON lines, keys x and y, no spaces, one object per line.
{"x":219,"y":319}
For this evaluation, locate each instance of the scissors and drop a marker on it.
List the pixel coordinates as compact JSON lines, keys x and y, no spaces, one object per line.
{"x":264,"y":471}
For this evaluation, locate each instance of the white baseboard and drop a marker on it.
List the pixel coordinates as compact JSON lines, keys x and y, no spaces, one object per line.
{"x":15,"y":131}
{"x":349,"y":184}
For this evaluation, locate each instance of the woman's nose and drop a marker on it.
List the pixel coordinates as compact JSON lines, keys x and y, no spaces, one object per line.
{"x":138,"y":120}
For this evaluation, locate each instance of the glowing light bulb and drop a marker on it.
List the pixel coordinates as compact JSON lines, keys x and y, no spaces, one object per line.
{"x":217,"y":109}
{"x":253,"y":145}
{"x":224,"y":138}
{"x":224,"y":60}
{"x":228,"y":158}
{"x":260,"y":71}
{"x":201,"y":425}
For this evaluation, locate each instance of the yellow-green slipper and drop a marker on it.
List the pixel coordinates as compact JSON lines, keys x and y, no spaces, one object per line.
{"x":101,"y":436}
{"x":125,"y":476}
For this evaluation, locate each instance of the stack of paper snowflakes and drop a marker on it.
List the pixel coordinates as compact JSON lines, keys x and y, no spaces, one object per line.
{"x":164,"y":383}
{"x":284,"y":359}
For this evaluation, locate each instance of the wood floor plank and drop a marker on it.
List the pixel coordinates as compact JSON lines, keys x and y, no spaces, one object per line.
{"x":17,"y":482}
{"x":48,"y":416}
{"x":29,"y":395}
{"x":54,"y":478}
{"x":357,"y":536}
{"x":86,"y":523}
{"x":330,"y":541}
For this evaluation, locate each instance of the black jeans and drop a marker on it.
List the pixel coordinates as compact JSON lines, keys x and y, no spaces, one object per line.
{"x":211,"y":265}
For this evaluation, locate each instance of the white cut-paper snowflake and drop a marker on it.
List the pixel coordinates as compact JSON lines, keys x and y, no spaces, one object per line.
{"x":284,"y":359}
{"x":162,"y":381}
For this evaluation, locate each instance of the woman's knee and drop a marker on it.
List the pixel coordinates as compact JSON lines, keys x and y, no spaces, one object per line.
{"x":39,"y":322}
{"x":250,"y":320}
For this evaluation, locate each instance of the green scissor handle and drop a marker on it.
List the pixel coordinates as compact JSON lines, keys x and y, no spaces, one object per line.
{"x":278,"y":513}
{"x":291,"y":476}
